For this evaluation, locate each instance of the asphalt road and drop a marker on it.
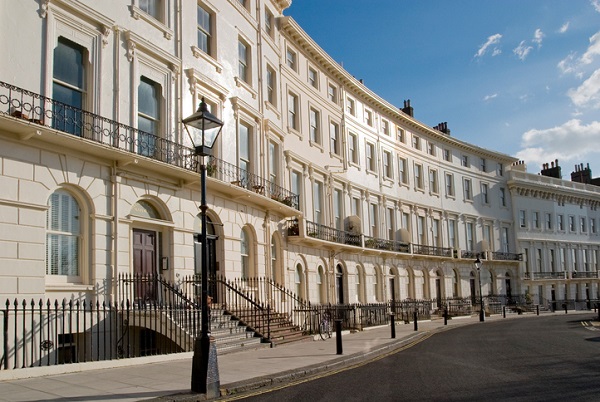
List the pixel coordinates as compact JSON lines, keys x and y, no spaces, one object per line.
{"x":546,"y":358}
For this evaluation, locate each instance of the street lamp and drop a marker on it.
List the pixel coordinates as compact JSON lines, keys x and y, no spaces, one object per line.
{"x":203,"y":128}
{"x":478,"y":266}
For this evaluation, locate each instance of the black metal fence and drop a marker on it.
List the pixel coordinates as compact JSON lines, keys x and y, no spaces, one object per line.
{"x":48,"y":333}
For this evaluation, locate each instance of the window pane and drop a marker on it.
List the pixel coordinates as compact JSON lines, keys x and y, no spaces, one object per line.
{"x":148,"y":98}
{"x":62,"y":243}
{"x":68,"y":63}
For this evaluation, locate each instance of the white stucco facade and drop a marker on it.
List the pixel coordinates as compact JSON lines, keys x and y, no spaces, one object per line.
{"x":294,"y":120}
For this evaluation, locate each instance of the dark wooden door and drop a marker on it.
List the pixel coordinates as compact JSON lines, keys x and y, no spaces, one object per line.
{"x":144,"y":264}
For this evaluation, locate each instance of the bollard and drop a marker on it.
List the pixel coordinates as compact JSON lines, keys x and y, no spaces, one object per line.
{"x":338,"y":336}
{"x":565,"y":306}
{"x":504,"y":311}
{"x":416,"y":325}
{"x":598,"y":312}
{"x":537,"y":309}
{"x":393,"y":323}
{"x":445,"y":316}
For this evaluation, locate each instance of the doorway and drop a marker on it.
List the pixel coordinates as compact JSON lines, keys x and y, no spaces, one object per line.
{"x":339,"y":284}
{"x":144,"y":265}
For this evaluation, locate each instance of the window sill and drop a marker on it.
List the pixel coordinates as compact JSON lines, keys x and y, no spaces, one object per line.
{"x":272,"y":108}
{"x":138,"y":13}
{"x":355,"y":164}
{"x":316,"y":145}
{"x":200,"y":54}
{"x":68,"y":287}
{"x":292,"y":130}
{"x":241,"y":83}
{"x":334,"y":155}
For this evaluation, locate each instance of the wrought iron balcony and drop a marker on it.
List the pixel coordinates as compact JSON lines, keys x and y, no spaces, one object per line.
{"x":48,"y":112}
{"x":501,"y":256}
{"x":545,"y":275}
{"x":383,"y":244}
{"x":422,"y":249}
{"x":469,"y":254}
{"x":327,"y":233}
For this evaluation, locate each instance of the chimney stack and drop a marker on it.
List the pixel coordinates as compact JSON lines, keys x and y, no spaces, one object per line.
{"x":408,"y":109}
{"x":551,"y":170}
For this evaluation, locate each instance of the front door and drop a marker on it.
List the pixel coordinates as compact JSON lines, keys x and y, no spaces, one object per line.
{"x":508,"y":290}
{"x":438,"y":292}
{"x":339,"y":284}
{"x":144,"y":264}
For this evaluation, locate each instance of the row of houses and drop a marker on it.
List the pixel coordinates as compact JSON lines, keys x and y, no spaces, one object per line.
{"x":316,"y":182}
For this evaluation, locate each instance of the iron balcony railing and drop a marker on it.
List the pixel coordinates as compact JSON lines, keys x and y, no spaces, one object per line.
{"x":562,"y":275}
{"x":422,"y":249}
{"x":38,"y":109}
{"x":227,"y":172}
{"x":384,"y":244}
{"x":503,"y":256}
{"x":546,"y":275}
{"x":469,"y":254}
{"x":327,"y":233}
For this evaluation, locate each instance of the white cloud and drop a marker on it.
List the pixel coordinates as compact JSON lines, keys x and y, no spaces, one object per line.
{"x":492,"y":40}
{"x":588,"y":93}
{"x":564,"y":28}
{"x":496,"y":52}
{"x":522,"y":50}
{"x":593,"y":49}
{"x":489,"y":97}
{"x":562,"y":143}
{"x":571,"y":64}
{"x":596,"y":5}
{"x":567,"y":65}
{"x":538,"y":37}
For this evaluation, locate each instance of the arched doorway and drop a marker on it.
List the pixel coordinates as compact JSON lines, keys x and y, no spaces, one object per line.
{"x":438,"y":288}
{"x":339,"y":284}
{"x":147,"y":247}
{"x":392,"y":283}
{"x":508,"y":288}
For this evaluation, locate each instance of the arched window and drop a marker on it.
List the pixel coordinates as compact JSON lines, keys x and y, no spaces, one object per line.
{"x":299,"y":281}
{"x":360,"y":284}
{"x":245,"y":254}
{"x":455,"y":282}
{"x":63,"y":235}
{"x":377,"y":284}
{"x":321,"y":284}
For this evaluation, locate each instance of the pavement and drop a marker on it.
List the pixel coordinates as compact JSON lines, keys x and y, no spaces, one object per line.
{"x":168,"y":378}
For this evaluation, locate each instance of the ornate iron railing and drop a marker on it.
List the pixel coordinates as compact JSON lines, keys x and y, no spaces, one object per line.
{"x":230,"y":173}
{"x":469,"y":254}
{"x":383,"y":244}
{"x":38,"y":109}
{"x":327,"y":233}
{"x":502,"y":256}
{"x":545,"y":275}
{"x":422,"y":249}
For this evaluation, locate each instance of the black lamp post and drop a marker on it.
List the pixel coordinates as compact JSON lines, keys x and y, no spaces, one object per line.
{"x":203,"y":128}
{"x":478,"y":264}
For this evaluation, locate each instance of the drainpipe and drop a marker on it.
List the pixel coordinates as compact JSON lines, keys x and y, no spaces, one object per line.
{"x":114,"y":229}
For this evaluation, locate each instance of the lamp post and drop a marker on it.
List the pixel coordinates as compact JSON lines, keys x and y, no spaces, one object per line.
{"x":203,"y":128}
{"x":478,"y":264}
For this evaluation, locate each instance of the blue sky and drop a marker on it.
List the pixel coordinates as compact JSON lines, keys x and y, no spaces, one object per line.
{"x":521,"y":77}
